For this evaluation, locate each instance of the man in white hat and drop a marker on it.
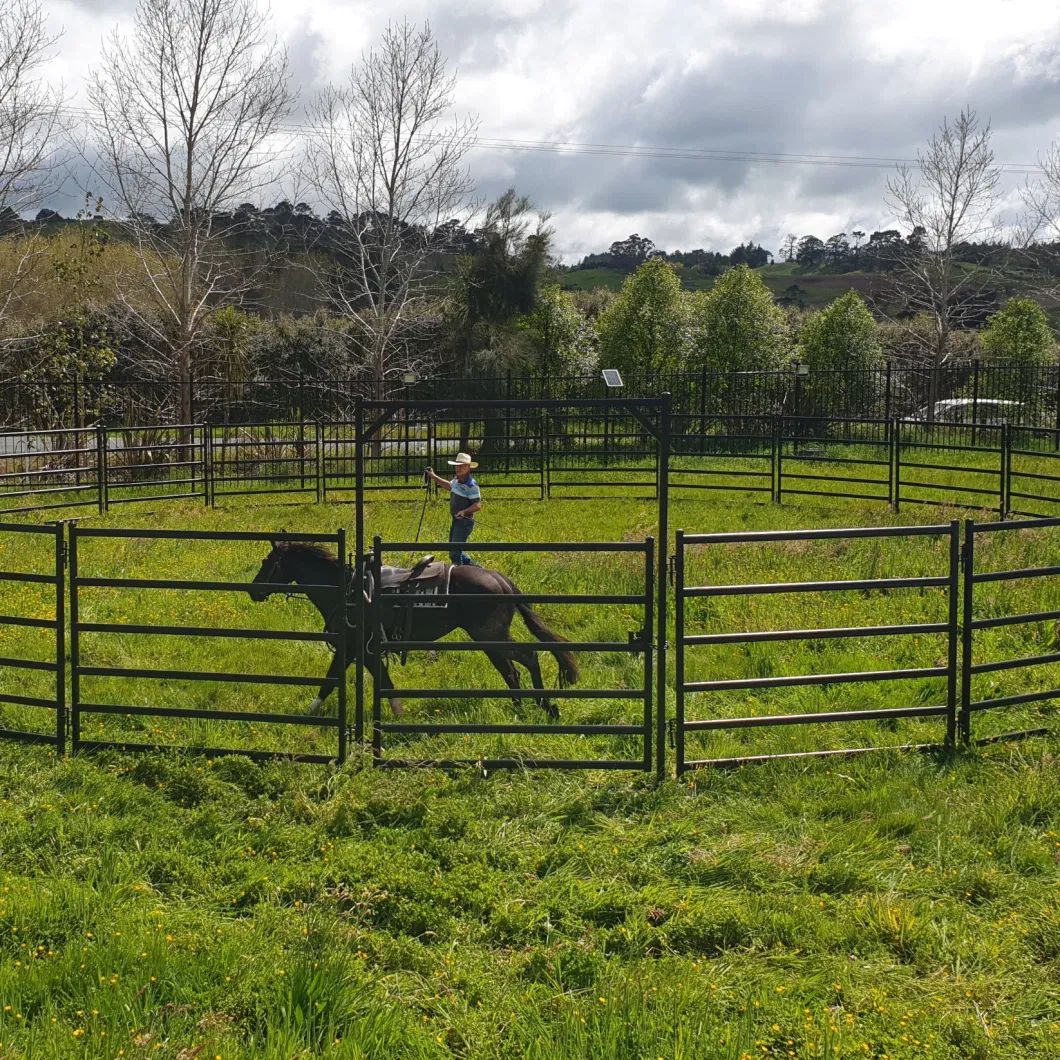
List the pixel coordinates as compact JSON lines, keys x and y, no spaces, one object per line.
{"x":465,"y":498}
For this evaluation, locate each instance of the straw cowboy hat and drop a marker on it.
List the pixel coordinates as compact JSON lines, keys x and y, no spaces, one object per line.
{"x":462,"y":458}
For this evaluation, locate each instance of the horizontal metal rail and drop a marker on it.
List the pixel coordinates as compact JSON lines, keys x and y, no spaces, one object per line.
{"x":800,"y":680}
{"x":513,"y":729}
{"x":705,"y":724}
{"x":513,"y":645}
{"x":826,"y":633}
{"x":853,"y":533}
{"x":197,"y":675}
{"x":263,"y":717}
{"x":208,"y":631}
{"x":767,"y":588}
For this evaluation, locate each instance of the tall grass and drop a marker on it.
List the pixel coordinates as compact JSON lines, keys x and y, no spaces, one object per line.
{"x":887,"y":906}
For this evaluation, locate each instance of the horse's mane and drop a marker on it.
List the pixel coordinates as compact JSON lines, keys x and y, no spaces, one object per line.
{"x":302,"y":548}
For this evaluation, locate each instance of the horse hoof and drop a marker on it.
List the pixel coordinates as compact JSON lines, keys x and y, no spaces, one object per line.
{"x":552,"y":711}
{"x":397,"y":707}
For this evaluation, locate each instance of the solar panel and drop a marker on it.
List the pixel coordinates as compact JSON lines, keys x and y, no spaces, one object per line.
{"x":612,"y":378}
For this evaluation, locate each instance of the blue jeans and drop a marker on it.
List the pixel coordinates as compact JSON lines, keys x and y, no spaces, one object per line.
{"x":459,"y":532}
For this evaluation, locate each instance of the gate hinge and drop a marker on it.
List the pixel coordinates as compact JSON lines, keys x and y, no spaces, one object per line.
{"x":671,"y":567}
{"x":671,"y":731}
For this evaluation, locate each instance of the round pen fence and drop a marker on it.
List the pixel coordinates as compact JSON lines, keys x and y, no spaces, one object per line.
{"x":1010,"y":615}
{"x":951,"y":465}
{"x":32,"y":636}
{"x":119,"y":702}
{"x":737,"y":701}
{"x":395,"y":618}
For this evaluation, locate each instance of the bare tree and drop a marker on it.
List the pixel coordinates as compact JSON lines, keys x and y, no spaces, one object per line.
{"x":186,"y":117}
{"x":387,"y":159}
{"x":949,"y":198}
{"x":29,"y":124}
{"x":1038,"y":230}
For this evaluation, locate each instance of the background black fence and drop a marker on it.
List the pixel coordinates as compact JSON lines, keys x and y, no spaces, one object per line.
{"x":135,"y":596}
{"x":619,"y":734}
{"x":33,"y":707}
{"x":563,"y":449}
{"x":964,"y":391}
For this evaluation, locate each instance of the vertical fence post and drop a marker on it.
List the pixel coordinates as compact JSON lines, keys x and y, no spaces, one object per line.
{"x":207,"y":469}
{"x":954,"y":591}
{"x":968,"y":561}
{"x":679,"y":651}
{"x":358,"y":572}
{"x":60,"y":638}
{"x":975,"y":399}
{"x":546,"y":479}
{"x":341,"y":627}
{"x":1005,"y":483}
{"x":778,"y":449}
{"x":75,"y":647}
{"x":376,"y":620}
{"x":1056,"y":422}
{"x":318,"y":431}
{"x":101,"y":466}
{"x":896,"y":463}
{"x":646,"y":638}
{"x":887,"y":393}
{"x":660,"y":597}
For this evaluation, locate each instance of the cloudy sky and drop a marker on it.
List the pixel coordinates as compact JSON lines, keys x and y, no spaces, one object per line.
{"x":851,"y":78}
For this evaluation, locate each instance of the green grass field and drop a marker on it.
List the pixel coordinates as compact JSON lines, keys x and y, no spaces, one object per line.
{"x":886,"y":906}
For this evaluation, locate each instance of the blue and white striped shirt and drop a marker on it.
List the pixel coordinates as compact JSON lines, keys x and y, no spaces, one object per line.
{"x":463,"y":494}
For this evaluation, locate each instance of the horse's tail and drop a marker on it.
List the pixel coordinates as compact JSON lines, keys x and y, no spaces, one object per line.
{"x":568,"y":666}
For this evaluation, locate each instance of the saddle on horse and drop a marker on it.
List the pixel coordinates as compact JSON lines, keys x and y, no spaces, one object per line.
{"x":427,"y":579}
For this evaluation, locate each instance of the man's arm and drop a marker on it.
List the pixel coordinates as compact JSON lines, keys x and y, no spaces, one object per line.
{"x":469,"y":511}
{"x":438,"y":480}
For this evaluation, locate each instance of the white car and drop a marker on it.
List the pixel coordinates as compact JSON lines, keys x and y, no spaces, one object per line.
{"x":968,"y":410}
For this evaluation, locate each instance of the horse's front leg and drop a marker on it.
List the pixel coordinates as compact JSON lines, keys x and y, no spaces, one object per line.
{"x":385,"y":683}
{"x":330,"y":683}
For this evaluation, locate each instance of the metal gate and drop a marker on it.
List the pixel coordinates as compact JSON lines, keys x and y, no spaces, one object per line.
{"x":637,"y":642}
{"x":30,"y":658}
{"x":947,"y":578}
{"x":974,"y":701}
{"x":138,"y":596}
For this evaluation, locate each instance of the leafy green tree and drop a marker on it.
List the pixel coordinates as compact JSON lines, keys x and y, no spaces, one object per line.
{"x":737,"y":327}
{"x":839,"y":344}
{"x":1018,"y":335}
{"x":561,"y":337}
{"x":645,"y":328}
{"x":841,"y":336}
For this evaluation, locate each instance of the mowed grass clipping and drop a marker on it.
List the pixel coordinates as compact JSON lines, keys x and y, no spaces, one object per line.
{"x":886,"y":906}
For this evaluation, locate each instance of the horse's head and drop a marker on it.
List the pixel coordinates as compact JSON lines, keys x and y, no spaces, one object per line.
{"x":273,"y":572}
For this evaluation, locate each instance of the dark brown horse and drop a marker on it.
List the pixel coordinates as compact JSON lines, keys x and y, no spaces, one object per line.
{"x":292,"y":562}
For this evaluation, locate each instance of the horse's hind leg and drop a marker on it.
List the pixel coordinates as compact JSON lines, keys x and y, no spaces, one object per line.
{"x":532,"y":661}
{"x":506,"y":668}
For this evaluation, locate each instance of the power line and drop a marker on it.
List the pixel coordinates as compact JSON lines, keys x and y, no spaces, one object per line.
{"x":575,"y":147}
